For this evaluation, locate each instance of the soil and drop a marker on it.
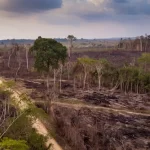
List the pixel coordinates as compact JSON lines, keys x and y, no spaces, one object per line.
{"x":92,"y":129}
{"x":91,"y":120}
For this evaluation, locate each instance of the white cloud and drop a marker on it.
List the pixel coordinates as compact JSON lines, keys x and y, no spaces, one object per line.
{"x":83,"y":18}
{"x":96,"y":2}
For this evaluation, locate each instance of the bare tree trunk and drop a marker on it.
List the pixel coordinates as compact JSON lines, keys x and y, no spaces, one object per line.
{"x":54,"y":80}
{"x":19,"y":66}
{"x":17,"y":71}
{"x":48,"y":93}
{"x":141,"y":44}
{"x":115,"y":87}
{"x":99,"y":82}
{"x":47,"y":83}
{"x":74,"y":84}
{"x":69,"y":53}
{"x":27,"y":58}
{"x":61,"y":68}
{"x":146,"y":43}
{"x":71,"y":46}
{"x":10,"y":59}
{"x":18,"y":55}
{"x":68,"y":70}
{"x":11,"y":125}
{"x":84,"y":80}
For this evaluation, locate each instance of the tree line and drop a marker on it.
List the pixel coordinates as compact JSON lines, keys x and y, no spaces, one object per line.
{"x":53,"y":61}
{"x":141,"y":43}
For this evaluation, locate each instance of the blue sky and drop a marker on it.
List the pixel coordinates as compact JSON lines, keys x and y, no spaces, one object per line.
{"x":82,"y":18}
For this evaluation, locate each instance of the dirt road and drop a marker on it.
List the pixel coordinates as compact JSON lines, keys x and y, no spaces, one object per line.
{"x":78,"y":106}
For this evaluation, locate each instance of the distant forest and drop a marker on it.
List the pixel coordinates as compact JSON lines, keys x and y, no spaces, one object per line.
{"x":31,"y":41}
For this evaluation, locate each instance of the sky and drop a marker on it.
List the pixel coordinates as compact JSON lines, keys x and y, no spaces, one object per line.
{"x":81,"y":18}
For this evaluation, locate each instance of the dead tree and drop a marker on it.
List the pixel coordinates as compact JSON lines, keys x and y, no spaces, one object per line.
{"x":12,"y":51}
{"x":19,"y":61}
{"x":7,"y":112}
{"x":61,"y":69}
{"x":141,"y":43}
{"x":27,"y":48}
{"x":27,"y":56}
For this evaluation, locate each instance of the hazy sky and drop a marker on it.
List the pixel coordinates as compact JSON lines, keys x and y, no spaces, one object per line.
{"x":82,"y":18}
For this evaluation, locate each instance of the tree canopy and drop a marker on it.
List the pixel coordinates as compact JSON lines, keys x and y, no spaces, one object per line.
{"x":48,"y":54}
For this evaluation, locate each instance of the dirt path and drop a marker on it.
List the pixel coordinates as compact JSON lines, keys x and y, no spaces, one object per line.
{"x":78,"y":106}
{"x":37,"y":124}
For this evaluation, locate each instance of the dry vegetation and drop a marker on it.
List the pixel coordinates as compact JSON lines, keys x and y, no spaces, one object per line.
{"x":92,"y":109}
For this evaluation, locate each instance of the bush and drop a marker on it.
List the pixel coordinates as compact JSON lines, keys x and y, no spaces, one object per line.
{"x":22,"y":130}
{"x":10,"y":144}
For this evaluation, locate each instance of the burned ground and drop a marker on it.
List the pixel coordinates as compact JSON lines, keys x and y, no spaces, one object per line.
{"x":99,"y":130}
{"x":85,"y":128}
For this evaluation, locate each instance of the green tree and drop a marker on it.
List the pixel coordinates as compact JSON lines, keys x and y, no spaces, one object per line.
{"x":22,"y":130}
{"x":88,"y":65}
{"x":144,"y":61}
{"x":36,"y":141}
{"x":49,"y":54}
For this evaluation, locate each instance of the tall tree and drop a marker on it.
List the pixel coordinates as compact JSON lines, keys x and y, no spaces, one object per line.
{"x":49,"y":54}
{"x":13,"y":51}
{"x":141,"y":43}
{"x":71,"y":38}
{"x":27,"y":47}
{"x":19,"y":60}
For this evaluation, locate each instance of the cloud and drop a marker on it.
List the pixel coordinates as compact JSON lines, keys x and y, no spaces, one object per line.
{"x":113,"y":10}
{"x":76,"y":12}
{"x":29,"y":6}
{"x":130,"y":7}
{"x":83,"y":18}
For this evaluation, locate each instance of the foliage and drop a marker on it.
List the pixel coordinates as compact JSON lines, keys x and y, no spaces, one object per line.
{"x":144,"y":58}
{"x":71,"y":37}
{"x":36,"y":141}
{"x":9,"y":84}
{"x":101,"y":65}
{"x":5,"y":94}
{"x":144,"y":61}
{"x":22,"y":130}
{"x":87,"y":63}
{"x":49,"y":53}
{"x":127,"y":78}
{"x":9,"y":144}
